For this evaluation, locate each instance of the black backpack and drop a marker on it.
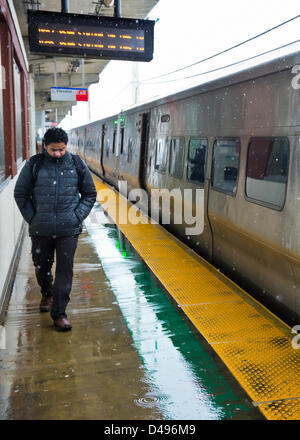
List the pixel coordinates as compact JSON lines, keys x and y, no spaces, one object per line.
{"x":37,"y":161}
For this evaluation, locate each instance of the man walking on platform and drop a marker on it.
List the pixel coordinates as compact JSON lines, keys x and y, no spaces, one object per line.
{"x":55,"y":192}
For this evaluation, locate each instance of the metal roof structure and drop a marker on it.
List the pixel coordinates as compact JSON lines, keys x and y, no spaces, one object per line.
{"x":69,"y":70}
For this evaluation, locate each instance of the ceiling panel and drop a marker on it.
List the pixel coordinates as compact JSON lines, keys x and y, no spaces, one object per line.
{"x":69,"y":70}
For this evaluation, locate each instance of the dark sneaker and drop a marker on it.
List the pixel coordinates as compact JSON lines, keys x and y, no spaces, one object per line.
{"x":62,"y":324}
{"x":46,"y":303}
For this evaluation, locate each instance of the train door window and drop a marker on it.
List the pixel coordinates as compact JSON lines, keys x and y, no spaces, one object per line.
{"x":176,"y":157}
{"x":225,"y":165}
{"x":103,"y":139}
{"x":129,"y":151}
{"x":161,"y":155}
{"x":267,"y":170}
{"x":114,"y":141}
{"x":197,"y":160}
{"x":122,"y":141}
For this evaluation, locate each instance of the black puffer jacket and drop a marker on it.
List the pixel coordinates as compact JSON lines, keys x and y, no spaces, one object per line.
{"x":55,"y":205}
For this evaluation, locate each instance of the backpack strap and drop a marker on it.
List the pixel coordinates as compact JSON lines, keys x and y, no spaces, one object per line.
{"x":80,"y":168}
{"x":36,"y":162}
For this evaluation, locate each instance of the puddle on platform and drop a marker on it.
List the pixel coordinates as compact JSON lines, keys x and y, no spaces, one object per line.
{"x":184,"y":373}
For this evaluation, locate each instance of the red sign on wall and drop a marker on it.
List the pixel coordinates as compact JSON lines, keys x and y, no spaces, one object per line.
{"x":82,"y":95}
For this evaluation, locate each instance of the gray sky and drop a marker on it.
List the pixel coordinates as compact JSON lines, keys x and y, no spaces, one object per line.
{"x":186,"y":32}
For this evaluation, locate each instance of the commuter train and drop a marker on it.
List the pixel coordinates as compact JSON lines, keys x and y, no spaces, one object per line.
{"x":238,"y":139}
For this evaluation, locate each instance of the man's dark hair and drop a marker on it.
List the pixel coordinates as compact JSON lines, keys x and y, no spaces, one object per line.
{"x":56,"y":135}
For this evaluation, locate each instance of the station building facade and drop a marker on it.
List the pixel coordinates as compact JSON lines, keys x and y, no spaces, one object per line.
{"x":14,"y":142}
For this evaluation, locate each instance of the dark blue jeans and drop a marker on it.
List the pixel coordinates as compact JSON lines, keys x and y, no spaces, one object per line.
{"x":42,"y":250}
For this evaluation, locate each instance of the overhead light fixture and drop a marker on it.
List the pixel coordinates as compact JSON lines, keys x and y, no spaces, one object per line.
{"x":108,"y":3}
{"x":74,"y":66}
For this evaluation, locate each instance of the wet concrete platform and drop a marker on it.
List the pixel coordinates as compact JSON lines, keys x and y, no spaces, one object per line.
{"x":130,"y":355}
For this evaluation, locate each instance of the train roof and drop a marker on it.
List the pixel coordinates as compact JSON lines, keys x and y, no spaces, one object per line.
{"x":282,"y":63}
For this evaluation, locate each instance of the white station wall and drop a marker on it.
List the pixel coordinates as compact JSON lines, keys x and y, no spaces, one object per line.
{"x":10,"y":227}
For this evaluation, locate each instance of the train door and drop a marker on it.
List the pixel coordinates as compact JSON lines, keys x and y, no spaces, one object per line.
{"x":116,"y":149}
{"x":223,"y":204}
{"x":143,"y":149}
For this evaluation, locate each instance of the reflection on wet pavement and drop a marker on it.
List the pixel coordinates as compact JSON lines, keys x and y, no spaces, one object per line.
{"x":130,"y":355}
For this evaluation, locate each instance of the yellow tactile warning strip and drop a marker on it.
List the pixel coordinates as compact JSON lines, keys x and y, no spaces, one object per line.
{"x":254,"y":344}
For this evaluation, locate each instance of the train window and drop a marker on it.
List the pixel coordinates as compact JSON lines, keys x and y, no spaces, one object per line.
{"x":267,"y":169}
{"x":225,"y":165}
{"x":197,"y":160}
{"x":161,"y":155}
{"x":72,"y":142}
{"x":176,"y":157}
{"x":90,"y":145}
{"x":81,"y":145}
{"x":106,"y":147}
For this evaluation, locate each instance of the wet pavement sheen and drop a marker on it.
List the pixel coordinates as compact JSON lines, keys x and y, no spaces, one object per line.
{"x":130,"y":355}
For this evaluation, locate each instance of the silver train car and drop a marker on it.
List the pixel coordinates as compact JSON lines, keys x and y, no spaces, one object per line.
{"x":238,"y":139}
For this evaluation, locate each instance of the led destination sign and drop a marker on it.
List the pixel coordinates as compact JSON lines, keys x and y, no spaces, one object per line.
{"x":110,"y":39}
{"x":90,"y":36}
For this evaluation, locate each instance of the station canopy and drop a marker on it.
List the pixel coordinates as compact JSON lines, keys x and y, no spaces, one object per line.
{"x":69,"y":69}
